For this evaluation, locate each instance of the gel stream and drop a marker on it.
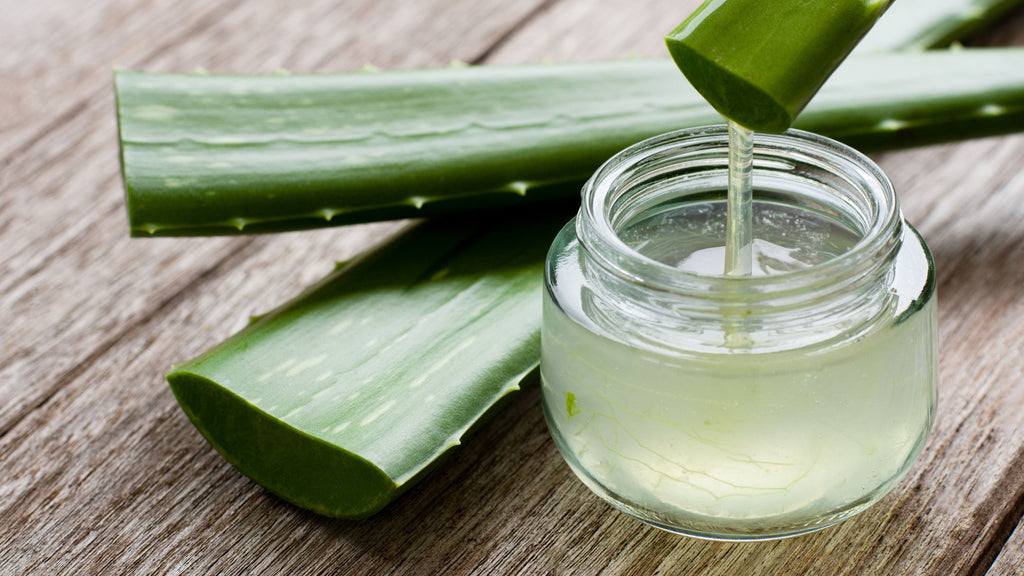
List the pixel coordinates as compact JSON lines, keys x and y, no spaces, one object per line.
{"x":734,"y":442}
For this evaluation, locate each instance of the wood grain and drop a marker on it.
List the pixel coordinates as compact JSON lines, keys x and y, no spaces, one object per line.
{"x":1010,"y":561}
{"x":101,"y":473}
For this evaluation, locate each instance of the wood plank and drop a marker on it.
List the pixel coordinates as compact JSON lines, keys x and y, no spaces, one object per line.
{"x":1011,"y":558}
{"x":49,"y":78}
{"x":70,"y":277}
{"x":577,"y":30}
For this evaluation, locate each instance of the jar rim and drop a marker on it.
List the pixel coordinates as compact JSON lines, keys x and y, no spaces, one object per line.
{"x":876,"y":247}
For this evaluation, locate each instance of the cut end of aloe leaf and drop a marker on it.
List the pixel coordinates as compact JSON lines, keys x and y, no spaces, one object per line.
{"x":306,"y":471}
{"x":730,"y":94}
{"x":759,"y":62}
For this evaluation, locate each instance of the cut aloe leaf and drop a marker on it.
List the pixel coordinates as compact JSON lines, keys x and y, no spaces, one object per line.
{"x":208,"y":155}
{"x":341,"y":399}
{"x":759,"y":62}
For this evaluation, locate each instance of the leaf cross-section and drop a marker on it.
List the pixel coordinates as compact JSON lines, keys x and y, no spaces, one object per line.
{"x":342,"y":398}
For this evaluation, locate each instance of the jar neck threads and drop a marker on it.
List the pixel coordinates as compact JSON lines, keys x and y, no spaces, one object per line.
{"x":796,"y":171}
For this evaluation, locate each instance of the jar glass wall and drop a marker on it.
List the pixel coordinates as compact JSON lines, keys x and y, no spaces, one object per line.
{"x":739,"y":407}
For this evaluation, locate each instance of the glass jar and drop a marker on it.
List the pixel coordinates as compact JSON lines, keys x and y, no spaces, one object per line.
{"x":739,"y":408}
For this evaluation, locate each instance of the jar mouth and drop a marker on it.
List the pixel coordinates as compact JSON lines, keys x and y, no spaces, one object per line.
{"x":812,"y":171}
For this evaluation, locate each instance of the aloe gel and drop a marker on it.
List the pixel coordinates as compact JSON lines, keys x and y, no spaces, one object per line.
{"x":739,"y":407}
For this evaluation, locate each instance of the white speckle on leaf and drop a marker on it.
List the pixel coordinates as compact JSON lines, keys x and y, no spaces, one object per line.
{"x":891,"y":124}
{"x":991,"y":110}
{"x":156,"y":112}
{"x":378,"y":413}
{"x":519,"y":187}
{"x":340,"y":327}
{"x":442,"y":362}
{"x":306,"y":365}
{"x":455,"y":352}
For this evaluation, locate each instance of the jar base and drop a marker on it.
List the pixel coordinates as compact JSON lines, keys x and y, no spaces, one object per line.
{"x":711,"y":528}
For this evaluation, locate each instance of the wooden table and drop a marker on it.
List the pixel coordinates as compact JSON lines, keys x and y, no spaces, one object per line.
{"x":101,"y":473}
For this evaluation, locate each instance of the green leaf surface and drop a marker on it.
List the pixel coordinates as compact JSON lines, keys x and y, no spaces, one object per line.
{"x":342,"y":398}
{"x":228,"y":154}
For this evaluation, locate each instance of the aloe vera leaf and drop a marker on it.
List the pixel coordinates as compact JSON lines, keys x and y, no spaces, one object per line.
{"x":341,"y":399}
{"x":759,"y":62}
{"x":922,"y":24}
{"x":224,"y":154}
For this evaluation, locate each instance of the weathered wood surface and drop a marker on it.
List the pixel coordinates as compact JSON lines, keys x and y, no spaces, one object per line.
{"x":100,"y":472}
